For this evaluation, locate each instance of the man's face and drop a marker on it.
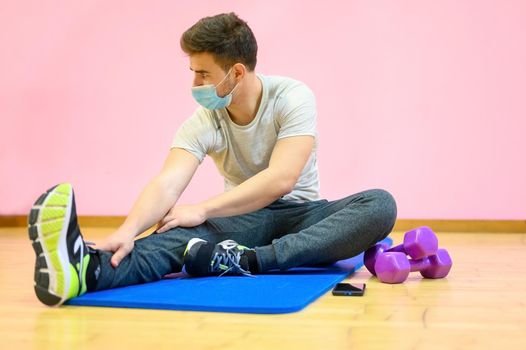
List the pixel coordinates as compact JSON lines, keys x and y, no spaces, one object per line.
{"x":207,"y":71}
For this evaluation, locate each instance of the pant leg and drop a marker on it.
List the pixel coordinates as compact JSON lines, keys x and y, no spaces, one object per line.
{"x":325,"y":232}
{"x":159,"y":254}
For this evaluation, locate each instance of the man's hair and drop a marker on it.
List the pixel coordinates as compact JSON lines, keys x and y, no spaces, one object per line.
{"x":226,"y":36}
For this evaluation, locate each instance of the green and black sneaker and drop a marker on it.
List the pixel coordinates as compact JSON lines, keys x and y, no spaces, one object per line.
{"x":202,"y":258}
{"x":62,"y":256}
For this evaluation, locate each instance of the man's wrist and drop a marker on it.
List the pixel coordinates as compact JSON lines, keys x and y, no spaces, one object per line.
{"x":128,"y":229}
{"x":205,"y":209}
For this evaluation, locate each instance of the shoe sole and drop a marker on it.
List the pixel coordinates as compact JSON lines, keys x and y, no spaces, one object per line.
{"x":48,"y":223}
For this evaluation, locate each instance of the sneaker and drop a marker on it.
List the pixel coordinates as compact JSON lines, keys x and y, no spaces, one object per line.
{"x":62,"y":256}
{"x":202,"y":258}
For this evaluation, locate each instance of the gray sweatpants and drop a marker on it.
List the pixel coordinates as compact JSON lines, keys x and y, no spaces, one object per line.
{"x":285,"y":234}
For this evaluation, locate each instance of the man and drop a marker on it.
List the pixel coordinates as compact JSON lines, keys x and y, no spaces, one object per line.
{"x":261,"y":133}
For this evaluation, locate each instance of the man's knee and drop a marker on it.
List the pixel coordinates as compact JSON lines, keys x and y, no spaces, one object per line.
{"x":384,"y":209}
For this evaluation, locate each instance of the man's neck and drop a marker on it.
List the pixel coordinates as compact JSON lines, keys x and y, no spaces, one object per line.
{"x":246,"y":106}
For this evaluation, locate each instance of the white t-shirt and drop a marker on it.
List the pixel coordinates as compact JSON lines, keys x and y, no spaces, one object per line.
{"x":287,"y":108}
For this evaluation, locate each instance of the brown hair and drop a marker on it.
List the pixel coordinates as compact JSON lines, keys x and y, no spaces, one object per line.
{"x":226,"y":36}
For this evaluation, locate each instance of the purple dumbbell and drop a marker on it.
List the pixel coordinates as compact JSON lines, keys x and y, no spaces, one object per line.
{"x":418,"y":244}
{"x":394,"y":267}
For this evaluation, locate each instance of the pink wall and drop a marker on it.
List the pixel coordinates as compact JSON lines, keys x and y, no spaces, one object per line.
{"x":424,"y":98}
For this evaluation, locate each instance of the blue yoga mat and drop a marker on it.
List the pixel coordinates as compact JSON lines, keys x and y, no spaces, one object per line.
{"x":272,"y":293}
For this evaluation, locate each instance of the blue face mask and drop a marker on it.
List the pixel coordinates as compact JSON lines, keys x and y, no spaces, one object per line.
{"x":206,"y":95}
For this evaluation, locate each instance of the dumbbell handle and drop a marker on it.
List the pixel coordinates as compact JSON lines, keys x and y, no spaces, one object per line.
{"x":398,"y":248}
{"x":419,"y":265}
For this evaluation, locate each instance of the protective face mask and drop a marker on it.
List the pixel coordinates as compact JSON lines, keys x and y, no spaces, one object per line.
{"x":206,"y":95}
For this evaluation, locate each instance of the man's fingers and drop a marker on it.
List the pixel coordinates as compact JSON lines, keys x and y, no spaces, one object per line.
{"x":119,"y":255}
{"x":168,"y":226}
{"x":103,"y":246}
{"x":161,"y":223}
{"x":167,"y":219}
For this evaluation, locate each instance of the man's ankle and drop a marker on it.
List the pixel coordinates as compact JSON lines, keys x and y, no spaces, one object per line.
{"x":253,"y":265}
{"x":266,"y":258}
{"x":93,"y":270}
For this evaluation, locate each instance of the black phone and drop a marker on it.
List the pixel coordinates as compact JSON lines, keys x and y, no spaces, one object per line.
{"x":349,"y":289}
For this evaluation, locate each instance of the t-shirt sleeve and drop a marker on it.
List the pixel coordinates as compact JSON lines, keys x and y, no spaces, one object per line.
{"x":297,"y":112}
{"x":196,"y":135}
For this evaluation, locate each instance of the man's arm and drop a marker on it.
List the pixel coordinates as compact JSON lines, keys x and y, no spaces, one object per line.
{"x":288,"y":159}
{"x":161,"y":193}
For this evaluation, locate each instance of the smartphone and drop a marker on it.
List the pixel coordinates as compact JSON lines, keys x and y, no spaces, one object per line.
{"x":349,"y":289}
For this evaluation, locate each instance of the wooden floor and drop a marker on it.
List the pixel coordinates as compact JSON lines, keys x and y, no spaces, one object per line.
{"x":481,"y":305}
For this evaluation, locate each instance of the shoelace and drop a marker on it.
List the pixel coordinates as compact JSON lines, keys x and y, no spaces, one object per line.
{"x":231,"y":259}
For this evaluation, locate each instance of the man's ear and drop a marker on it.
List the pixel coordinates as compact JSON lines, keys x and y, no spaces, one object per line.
{"x":239,"y":70}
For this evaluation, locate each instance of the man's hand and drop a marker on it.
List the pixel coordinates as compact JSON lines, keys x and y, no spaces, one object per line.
{"x":183,"y":216}
{"x":120,"y":243}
